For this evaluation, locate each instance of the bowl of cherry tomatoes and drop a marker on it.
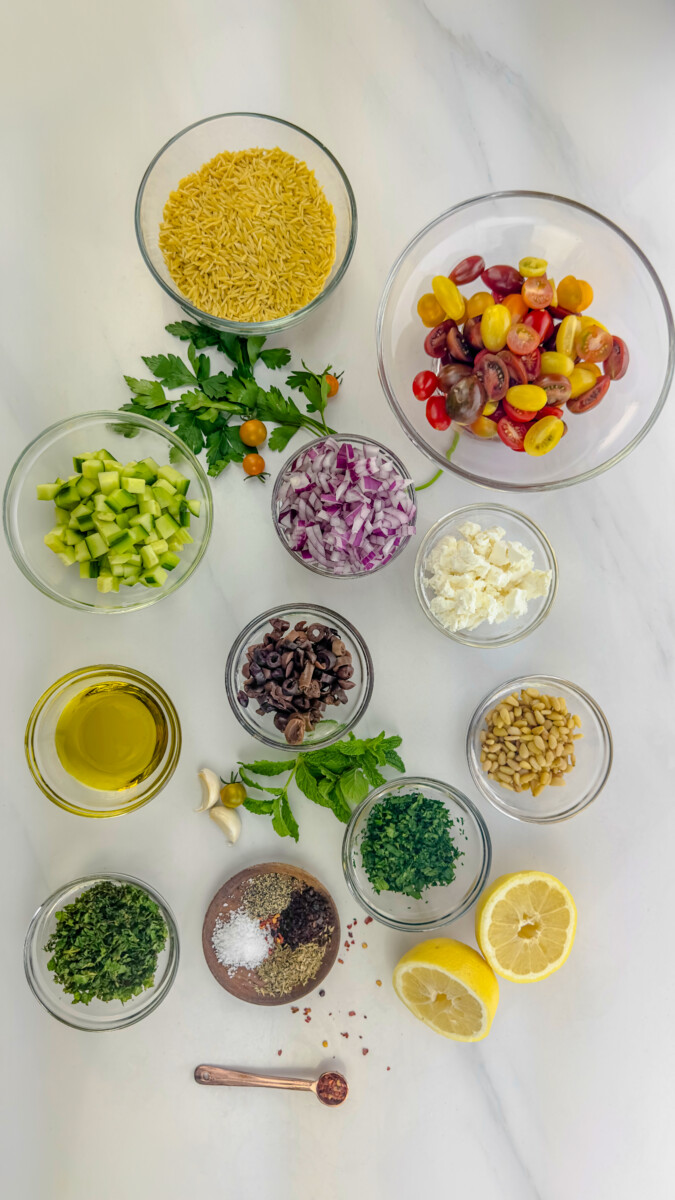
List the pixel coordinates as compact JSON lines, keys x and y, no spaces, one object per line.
{"x":524,"y":341}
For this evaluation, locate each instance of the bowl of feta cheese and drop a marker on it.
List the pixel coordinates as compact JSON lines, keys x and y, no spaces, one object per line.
{"x":486,"y":575}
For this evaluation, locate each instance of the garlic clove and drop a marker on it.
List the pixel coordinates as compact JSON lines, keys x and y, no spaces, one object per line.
{"x":210,"y":789}
{"x":229,"y":821}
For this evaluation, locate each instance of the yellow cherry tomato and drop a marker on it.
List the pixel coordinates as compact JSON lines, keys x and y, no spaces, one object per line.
{"x":516,"y":306}
{"x":590,"y":366}
{"x":253,"y":464}
{"x":483,"y":427}
{"x":543,"y":435}
{"x":532,"y":267}
{"x":565,"y":337}
{"x":476,"y":304}
{"x":429,"y":310}
{"x":232,"y":794}
{"x":490,"y":407}
{"x":585,"y":322}
{"x":569,"y":294}
{"x":555,"y":363}
{"x":581,"y":380}
{"x":554,"y":299}
{"x":527,"y":396}
{"x":586,"y":294}
{"x":449,"y":297}
{"x":252,"y":433}
{"x":334,"y":384}
{"x":494,"y":326}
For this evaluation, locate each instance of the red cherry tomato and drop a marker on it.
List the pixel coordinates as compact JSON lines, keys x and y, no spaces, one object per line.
{"x":558,"y":388}
{"x":493,"y":374}
{"x":594,"y":344}
{"x":518,"y":414}
{"x":424,"y":385}
{"x":522,"y":339}
{"x":473,"y":334}
{"x":435,"y":343}
{"x":436,"y":413}
{"x":467,"y":270}
{"x":515,"y":366}
{"x":502,"y":279}
{"x":532,"y":364}
{"x":537,"y":292}
{"x":540,"y":320}
{"x":590,"y":399}
{"x":551,"y":410}
{"x":512,"y":434}
{"x":450,"y":373}
{"x":556,"y":310}
{"x":617,"y":364}
{"x":458,"y":346}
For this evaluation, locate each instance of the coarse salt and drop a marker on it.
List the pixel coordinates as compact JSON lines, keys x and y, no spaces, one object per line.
{"x":240,"y":942}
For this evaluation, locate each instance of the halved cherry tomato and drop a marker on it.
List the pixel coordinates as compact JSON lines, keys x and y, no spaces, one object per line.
{"x":518,"y":414}
{"x":527,"y":396}
{"x":566,"y":335}
{"x":436,"y":413}
{"x":591,"y":398}
{"x":424,"y":385}
{"x":502,"y":279}
{"x":541,"y":321}
{"x":522,"y":339}
{"x":476,"y":304}
{"x":616,"y":364}
{"x":555,"y":363}
{"x":594,"y":368}
{"x":484,"y":427}
{"x":586,"y":294}
{"x":252,"y":433}
{"x":458,"y":346}
{"x":449,"y":297}
{"x":514,"y":366}
{"x":554,"y":299}
{"x":516,"y":306}
{"x":491,"y":407}
{"x":551,"y":410}
{"x":569,"y":293}
{"x":450,"y":373}
{"x":493,"y":374}
{"x":537,"y":292}
{"x":543,"y":435}
{"x":468,"y":269}
{"x":512,"y":434}
{"x":253,"y":464}
{"x":466,"y":400}
{"x":473,"y":334}
{"x":429,"y":310}
{"x":494,"y":326}
{"x":530,"y":268}
{"x":436,"y":341}
{"x":586,"y":321}
{"x":532,"y":365}
{"x":593,"y":343}
{"x":581,"y":380}
{"x":557,"y":387}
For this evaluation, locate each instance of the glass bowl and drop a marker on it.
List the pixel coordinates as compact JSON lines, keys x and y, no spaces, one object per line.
{"x":517,"y":527}
{"x":586,"y":780}
{"x":328,"y":730}
{"x":288,"y":468}
{"x":629,"y":298}
{"x":188,"y":150}
{"x":45,"y":765}
{"x":98,"y":1015}
{"x":49,"y":456}
{"x":438,"y":905}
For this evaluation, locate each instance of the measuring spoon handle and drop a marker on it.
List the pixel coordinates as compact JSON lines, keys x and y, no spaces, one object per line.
{"x":223,"y":1076}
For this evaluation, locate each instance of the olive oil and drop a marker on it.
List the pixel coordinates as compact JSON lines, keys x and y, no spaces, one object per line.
{"x":111,"y":736}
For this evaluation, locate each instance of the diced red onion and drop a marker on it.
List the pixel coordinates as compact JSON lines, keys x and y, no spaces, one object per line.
{"x":345,"y":507}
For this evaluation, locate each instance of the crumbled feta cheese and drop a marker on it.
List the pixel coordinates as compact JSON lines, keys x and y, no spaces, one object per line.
{"x":481,"y":577}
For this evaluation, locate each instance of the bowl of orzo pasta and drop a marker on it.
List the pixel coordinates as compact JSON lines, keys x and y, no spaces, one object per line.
{"x":246,"y":221}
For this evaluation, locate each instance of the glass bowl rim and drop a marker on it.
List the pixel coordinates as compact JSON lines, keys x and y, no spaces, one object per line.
{"x":221,"y":323}
{"x":341,"y":622}
{"x":462,"y":802}
{"x":549,"y":553}
{"x":481,"y":782}
{"x":347,"y":437}
{"x":174,"y":747}
{"x":449,"y":465}
{"x":118,"y":417}
{"x":163,"y":987}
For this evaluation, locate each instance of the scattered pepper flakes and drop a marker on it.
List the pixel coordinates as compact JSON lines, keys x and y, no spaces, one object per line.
{"x":306,"y":1010}
{"x":352,"y":1013}
{"x":307,"y":1020}
{"x":364,"y":945}
{"x":378,"y":982}
{"x":347,"y":945}
{"x":367,"y":920}
{"x":322,"y":992}
{"x":389,"y":1068}
{"x":279,"y":1052}
{"x":344,"y":1035}
{"x":349,"y":927}
{"x":324,"y":1044}
{"x":294,"y":1008}
{"x":364,"y":1050}
{"x":341,"y":960}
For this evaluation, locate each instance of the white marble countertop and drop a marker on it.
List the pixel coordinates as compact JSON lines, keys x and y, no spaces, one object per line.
{"x":424,"y":104}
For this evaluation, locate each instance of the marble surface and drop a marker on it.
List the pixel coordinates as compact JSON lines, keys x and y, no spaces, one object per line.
{"x":425,"y":104}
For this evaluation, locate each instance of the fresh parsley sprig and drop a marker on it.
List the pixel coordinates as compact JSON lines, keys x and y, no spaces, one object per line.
{"x":207,"y":415}
{"x":338,"y":777}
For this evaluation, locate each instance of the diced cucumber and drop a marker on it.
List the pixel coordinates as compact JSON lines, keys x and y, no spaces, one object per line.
{"x":169,"y":561}
{"x":144,"y":520}
{"x":149,"y":505}
{"x":72,"y":536}
{"x":61,"y":517}
{"x":82,"y":552}
{"x":91,"y":468}
{"x":135,"y":486}
{"x":109,"y":481}
{"x":111,"y":464}
{"x":96,"y":545}
{"x":150,"y":559}
{"x":137,"y":534}
{"x":68,"y":497}
{"x":48,"y":491}
{"x":146,"y":470}
{"x":155,"y":578}
{"x":166,"y":526}
{"x":88,"y":570}
{"x":163,"y":486}
{"x":55,"y":543}
{"x":67,"y":556}
{"x":101,"y":505}
{"x":86,"y":488}
{"x":194,"y":507}
{"x":85,"y":524}
{"x":104,"y":583}
{"x":84,"y":509}
{"x":124,"y":518}
{"x":114,"y":536}
{"x":159,"y":546}
{"x":120,"y":499}
{"x":183,"y":537}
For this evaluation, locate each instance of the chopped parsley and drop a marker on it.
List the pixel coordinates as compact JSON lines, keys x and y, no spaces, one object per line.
{"x":407,"y":845}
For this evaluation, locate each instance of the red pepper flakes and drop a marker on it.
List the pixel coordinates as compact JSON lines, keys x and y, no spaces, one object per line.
{"x":364,"y":1050}
{"x":341,"y":960}
{"x":367,"y":920}
{"x":347,"y":945}
{"x":294,"y":1008}
{"x":344,"y":1035}
{"x":279,"y":1052}
{"x":306,"y":1010}
{"x":307,"y":1020}
{"x":352,"y":1013}
{"x":324,"y":1044}
{"x":378,"y":982}
{"x":389,"y":1068}
{"x":364,"y":945}
{"x":349,"y":927}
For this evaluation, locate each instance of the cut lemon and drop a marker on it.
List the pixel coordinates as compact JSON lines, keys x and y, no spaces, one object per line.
{"x":450,"y":987}
{"x":525,"y":925}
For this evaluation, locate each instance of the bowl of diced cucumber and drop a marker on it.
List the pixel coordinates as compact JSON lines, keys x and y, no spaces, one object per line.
{"x":107,"y":514}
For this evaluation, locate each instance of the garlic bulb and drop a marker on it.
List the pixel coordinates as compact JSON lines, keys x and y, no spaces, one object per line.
{"x":210,"y":789}
{"x":229,"y":821}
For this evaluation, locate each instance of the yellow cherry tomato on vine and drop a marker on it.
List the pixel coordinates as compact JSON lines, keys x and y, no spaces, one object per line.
{"x":334,"y":383}
{"x":253,"y":464}
{"x":252,"y":433}
{"x":232,"y":794}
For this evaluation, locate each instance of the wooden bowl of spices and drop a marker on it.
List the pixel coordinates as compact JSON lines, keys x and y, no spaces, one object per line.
{"x":271,"y":934}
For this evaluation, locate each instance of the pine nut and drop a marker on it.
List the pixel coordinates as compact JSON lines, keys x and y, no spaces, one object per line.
{"x":529,"y":741}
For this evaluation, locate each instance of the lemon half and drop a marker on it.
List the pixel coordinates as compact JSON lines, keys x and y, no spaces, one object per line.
{"x":449,"y":987}
{"x":525,"y":925}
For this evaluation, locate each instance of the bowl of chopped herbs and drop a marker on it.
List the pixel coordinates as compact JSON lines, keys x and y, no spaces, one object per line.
{"x":416,"y":854}
{"x":102,"y":952}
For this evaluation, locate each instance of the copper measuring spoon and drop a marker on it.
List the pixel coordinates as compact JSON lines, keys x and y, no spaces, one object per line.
{"x":329,"y":1084}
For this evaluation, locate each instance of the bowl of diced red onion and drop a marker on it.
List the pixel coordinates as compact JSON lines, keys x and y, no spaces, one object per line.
{"x":344,"y":506}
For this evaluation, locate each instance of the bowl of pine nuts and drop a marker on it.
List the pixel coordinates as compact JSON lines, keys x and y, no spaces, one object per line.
{"x":539,"y":749}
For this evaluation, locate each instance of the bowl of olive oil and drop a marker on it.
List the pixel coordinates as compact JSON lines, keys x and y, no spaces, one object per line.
{"x":103,"y":741}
